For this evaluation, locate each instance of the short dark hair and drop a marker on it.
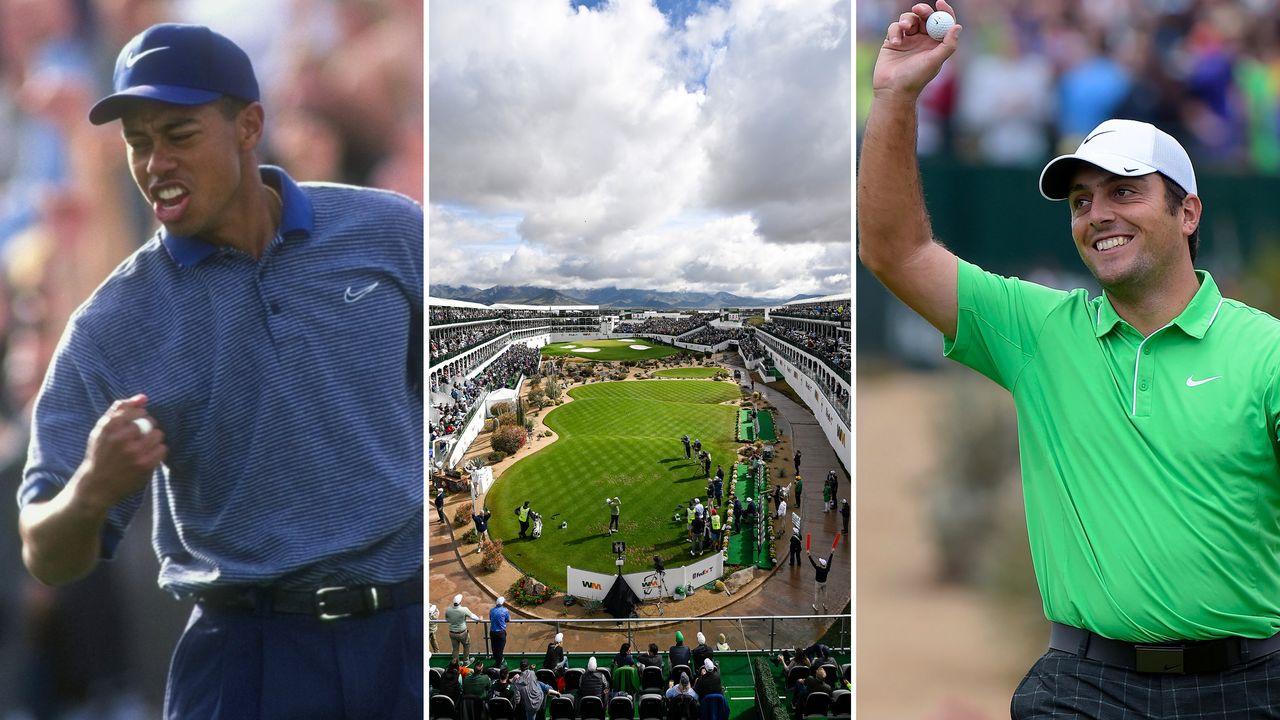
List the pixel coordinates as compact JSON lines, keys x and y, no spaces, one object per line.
{"x":1173,"y":197}
{"x":230,"y":106}
{"x":653,"y":648}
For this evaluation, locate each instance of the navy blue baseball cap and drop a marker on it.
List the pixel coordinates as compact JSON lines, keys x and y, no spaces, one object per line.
{"x":177,"y":64}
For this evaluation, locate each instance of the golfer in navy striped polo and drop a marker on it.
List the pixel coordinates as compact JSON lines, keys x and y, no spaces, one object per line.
{"x":255,"y":369}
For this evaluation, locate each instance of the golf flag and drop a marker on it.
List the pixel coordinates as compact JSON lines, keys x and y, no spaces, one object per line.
{"x":806,"y":542}
{"x":835,"y":542}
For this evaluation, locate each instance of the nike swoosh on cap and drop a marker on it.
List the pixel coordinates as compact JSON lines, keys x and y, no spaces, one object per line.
{"x":133,"y":59}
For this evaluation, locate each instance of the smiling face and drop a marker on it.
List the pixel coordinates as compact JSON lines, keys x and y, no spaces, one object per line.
{"x":1126,"y":233}
{"x":191,"y":162}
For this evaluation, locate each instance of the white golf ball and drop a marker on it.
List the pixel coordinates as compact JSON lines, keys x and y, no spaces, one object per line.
{"x":938,"y":24}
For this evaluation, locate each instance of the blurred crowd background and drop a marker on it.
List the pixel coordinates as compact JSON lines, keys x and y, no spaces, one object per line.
{"x":342,"y":84}
{"x":1035,"y":77}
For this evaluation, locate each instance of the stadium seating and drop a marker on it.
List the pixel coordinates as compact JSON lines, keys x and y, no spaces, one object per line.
{"x":546,"y":676}
{"x":573,"y":679}
{"x":652,"y":706}
{"x":442,"y":708}
{"x":620,"y":708}
{"x":590,"y":707}
{"x":500,"y":708}
{"x":713,"y":707}
{"x":796,"y":674}
{"x":841,"y":703}
{"x":816,"y":703}
{"x":651,"y":679}
{"x":682,"y":707}
{"x":561,"y":708}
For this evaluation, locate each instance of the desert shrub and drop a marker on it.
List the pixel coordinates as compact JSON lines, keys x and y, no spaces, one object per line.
{"x":495,"y":457}
{"x":501,"y":408}
{"x":508,"y":439}
{"x":491,"y":555}
{"x":528,"y":592}
{"x":462,"y":515}
{"x":507,"y":418}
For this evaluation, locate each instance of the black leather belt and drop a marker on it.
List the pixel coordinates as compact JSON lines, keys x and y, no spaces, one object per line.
{"x":1175,"y":658}
{"x":328,"y":603}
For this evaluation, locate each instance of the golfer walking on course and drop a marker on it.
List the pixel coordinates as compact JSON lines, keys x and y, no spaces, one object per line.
{"x":1147,"y":416}
{"x":255,"y":370}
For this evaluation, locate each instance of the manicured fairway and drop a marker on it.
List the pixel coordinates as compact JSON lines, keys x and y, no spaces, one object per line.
{"x":610,"y":349}
{"x":697,"y":372}
{"x":615,"y":439}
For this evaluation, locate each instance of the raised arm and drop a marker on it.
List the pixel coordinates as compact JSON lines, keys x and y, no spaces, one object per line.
{"x":894,"y":235}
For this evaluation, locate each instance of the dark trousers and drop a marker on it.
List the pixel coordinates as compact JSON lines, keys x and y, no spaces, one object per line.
{"x":1062,"y":685}
{"x":440,"y":512}
{"x":524,"y":527}
{"x":793,"y":558}
{"x":687,"y":453}
{"x":613,"y":522}
{"x":498,"y":639}
{"x":245,"y":665}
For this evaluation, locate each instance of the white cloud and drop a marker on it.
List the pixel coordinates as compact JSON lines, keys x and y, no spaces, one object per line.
{"x":637,"y":154}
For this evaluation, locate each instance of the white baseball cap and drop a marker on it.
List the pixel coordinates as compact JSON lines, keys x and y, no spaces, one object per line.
{"x":502,"y":600}
{"x":1123,"y":147}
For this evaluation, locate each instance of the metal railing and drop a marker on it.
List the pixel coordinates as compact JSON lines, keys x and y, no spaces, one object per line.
{"x":594,"y":636}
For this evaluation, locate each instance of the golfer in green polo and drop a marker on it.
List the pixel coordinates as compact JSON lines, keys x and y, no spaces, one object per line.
{"x":1147,"y":416}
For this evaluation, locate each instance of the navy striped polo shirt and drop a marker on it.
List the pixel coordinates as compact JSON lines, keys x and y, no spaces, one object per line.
{"x":283,"y":387}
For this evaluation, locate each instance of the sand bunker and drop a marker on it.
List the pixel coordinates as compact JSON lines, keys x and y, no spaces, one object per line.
{"x":626,"y":340}
{"x":588,"y":349}
{"x":639,"y":347}
{"x":568,"y":347}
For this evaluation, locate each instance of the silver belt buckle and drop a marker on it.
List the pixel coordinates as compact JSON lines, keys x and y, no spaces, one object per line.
{"x":326,"y":615}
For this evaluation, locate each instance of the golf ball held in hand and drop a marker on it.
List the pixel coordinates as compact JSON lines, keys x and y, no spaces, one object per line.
{"x":938,"y":24}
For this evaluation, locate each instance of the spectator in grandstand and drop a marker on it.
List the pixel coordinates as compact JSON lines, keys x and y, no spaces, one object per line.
{"x":459,"y":637}
{"x":475,"y":690}
{"x":502,"y":686}
{"x":701,"y":652}
{"x":531,"y":694}
{"x":450,"y":683}
{"x":817,"y":653}
{"x":593,"y":683}
{"x":554,"y":657}
{"x":708,"y":682}
{"x":499,"y":616}
{"x":651,"y":658}
{"x":821,"y":568}
{"x":615,"y":509}
{"x":624,"y":656}
{"x":681,"y":688}
{"x":722,"y":644}
{"x":816,"y":682}
{"x":678,"y":654}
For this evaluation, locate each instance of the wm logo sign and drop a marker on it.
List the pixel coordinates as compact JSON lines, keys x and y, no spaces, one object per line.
{"x":592,"y":585}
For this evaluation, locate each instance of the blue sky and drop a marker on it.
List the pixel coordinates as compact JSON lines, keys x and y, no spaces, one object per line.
{"x":674,"y":146}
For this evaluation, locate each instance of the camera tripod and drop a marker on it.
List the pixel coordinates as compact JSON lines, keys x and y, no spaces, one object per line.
{"x":662,"y":587}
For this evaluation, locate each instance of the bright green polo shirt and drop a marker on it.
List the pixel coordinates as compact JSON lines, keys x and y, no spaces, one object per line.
{"x":1149,"y":466}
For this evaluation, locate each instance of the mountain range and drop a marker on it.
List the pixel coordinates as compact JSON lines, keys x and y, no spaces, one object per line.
{"x":605,"y":297}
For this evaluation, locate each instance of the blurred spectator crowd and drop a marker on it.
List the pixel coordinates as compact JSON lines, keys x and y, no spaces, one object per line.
{"x":440,"y":315}
{"x":831,"y":350}
{"x":1032,"y":79}
{"x":447,"y":418}
{"x":662,"y":325}
{"x":835,"y":311}
{"x":449,"y":341}
{"x":714,"y":336}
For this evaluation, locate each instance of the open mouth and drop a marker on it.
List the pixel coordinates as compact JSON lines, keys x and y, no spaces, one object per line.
{"x":169,"y":202}
{"x":1111,"y":243}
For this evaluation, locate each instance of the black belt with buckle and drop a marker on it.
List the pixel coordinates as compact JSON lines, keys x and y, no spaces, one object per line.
{"x":327,"y":603}
{"x":1174,"y":658}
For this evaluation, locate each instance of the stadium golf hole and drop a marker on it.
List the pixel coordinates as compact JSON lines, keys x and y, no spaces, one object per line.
{"x":615,"y":439}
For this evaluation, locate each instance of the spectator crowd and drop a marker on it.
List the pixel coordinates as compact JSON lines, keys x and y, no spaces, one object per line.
{"x":834,"y":311}
{"x":450,"y":341}
{"x":663,"y":325}
{"x":1033,"y":78}
{"x":444,"y":315}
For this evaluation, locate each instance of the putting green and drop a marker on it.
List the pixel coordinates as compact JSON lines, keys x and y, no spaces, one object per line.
{"x":615,"y":439}
{"x":698,"y":372}
{"x":610,"y":349}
